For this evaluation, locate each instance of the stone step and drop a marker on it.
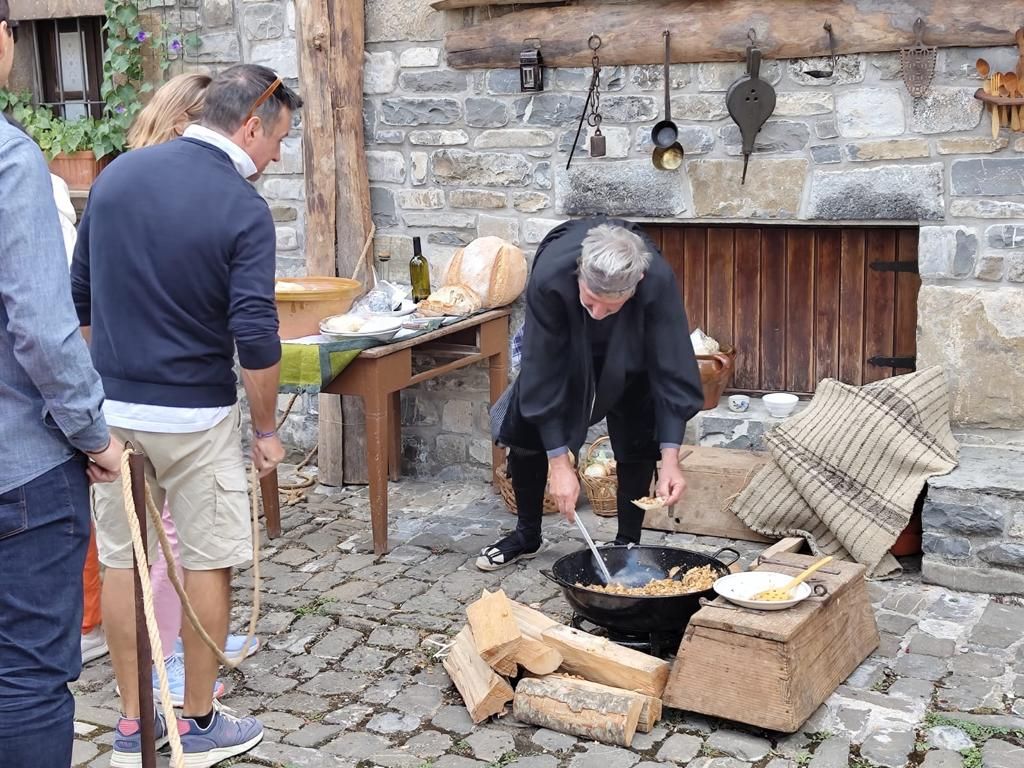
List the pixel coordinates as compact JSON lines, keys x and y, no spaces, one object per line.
{"x":722,"y":428}
{"x":973,"y":522}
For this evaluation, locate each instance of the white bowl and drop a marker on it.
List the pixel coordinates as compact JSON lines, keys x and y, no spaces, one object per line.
{"x":780,"y":404}
{"x":739,"y":588}
{"x":379,"y":328}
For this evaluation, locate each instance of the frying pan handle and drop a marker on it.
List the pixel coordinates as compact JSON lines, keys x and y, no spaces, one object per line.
{"x":547,"y":574}
{"x":736,"y":555}
{"x":668,"y":101}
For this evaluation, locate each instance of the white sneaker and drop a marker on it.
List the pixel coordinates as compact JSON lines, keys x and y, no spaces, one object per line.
{"x":94,"y":645}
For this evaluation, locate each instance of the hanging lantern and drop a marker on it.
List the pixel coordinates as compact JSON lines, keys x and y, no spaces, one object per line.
{"x":531,"y":66}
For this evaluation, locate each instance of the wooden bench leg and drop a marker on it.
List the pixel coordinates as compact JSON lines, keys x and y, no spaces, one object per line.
{"x":377,"y":439}
{"x":271,"y":504}
{"x":497,"y":374}
{"x":395,"y":435}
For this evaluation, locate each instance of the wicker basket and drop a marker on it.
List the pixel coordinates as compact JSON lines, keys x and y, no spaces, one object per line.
{"x":600,"y":490}
{"x":509,"y":496}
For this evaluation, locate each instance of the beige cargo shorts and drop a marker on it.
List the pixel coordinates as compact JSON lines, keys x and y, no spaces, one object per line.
{"x":202,"y":476}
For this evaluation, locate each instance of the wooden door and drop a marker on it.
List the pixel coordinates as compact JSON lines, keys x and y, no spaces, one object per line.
{"x":800,"y":304}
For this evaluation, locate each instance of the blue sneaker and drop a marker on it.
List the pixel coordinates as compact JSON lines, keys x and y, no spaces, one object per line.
{"x":128,"y":741}
{"x":232,"y":646}
{"x":176,"y":682}
{"x":226,"y":737}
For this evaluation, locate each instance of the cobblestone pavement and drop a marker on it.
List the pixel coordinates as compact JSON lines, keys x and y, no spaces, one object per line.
{"x":346,"y":676}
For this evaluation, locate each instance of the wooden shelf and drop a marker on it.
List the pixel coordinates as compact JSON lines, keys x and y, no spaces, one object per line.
{"x":1001,"y":101}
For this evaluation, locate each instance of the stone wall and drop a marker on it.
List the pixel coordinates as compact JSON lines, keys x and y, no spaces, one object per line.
{"x":458,"y":154}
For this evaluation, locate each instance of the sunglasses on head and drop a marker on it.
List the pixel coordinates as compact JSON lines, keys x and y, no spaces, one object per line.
{"x":263,"y":97}
{"x":13,"y":26}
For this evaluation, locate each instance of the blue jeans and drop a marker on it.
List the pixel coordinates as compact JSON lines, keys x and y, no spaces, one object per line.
{"x":44,"y":532}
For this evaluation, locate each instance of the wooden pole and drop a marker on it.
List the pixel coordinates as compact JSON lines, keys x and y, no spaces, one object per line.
{"x":716,"y":30}
{"x":143,"y":653}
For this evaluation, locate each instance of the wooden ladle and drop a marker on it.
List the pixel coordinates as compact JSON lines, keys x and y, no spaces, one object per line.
{"x":1011,"y":83}
{"x":781,"y":594}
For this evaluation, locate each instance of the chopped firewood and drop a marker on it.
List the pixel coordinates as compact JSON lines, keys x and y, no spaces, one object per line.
{"x":505,"y":667}
{"x":537,"y":657}
{"x":532,"y":622}
{"x":495,"y":632}
{"x":578,"y":708}
{"x":600,"y":660}
{"x":484,"y":692}
{"x":649,"y":715}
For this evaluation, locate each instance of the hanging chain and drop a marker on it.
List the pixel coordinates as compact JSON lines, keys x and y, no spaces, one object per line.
{"x":594,"y":116}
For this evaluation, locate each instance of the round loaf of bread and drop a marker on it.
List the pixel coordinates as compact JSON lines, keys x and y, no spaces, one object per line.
{"x":450,"y":300}
{"x":494,"y":269}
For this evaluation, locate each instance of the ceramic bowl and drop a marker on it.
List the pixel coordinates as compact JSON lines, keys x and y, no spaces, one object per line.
{"x":739,"y":588}
{"x":379,"y":328}
{"x":780,"y":404}
{"x":738,"y":403}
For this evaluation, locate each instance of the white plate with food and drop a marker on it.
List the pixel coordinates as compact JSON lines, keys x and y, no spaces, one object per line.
{"x":347,"y":327}
{"x":739,"y":588}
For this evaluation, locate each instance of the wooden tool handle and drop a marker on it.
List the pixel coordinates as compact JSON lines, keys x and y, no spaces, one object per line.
{"x":808,"y":572}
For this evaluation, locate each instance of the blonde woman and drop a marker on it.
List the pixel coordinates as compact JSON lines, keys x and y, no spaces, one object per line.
{"x":176,"y":105}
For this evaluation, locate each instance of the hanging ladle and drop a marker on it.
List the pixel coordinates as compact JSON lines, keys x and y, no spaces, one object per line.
{"x":668,"y":153}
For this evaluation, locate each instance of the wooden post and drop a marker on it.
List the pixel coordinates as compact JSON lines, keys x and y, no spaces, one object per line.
{"x":143,"y":653}
{"x":337,"y":186}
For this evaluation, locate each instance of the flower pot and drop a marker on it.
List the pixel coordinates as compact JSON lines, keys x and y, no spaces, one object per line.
{"x":79,"y":169}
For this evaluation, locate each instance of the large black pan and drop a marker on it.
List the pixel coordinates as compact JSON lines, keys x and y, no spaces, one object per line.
{"x":627,"y":613}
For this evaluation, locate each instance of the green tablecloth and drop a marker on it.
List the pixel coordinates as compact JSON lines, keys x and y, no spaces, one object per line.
{"x":310,"y":367}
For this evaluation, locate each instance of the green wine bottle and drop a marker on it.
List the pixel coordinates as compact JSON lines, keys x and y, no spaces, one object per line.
{"x":419,"y":273}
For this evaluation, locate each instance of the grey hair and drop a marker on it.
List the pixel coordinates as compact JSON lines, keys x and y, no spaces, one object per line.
{"x":612,"y":260}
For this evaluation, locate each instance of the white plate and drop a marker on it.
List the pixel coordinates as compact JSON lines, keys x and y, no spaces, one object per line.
{"x":740,"y":587}
{"x":379,"y":328}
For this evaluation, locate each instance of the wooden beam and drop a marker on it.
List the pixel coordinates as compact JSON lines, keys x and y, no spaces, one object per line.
{"x":602,"y":661}
{"x":316,"y":51}
{"x":451,"y":5}
{"x":580,"y":708}
{"x":716,"y":30}
{"x":484,"y":693}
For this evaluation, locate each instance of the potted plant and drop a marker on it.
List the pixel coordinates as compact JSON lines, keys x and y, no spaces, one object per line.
{"x":77,"y":150}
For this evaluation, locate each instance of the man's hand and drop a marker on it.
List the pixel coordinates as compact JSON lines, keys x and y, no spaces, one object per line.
{"x":671,"y":484}
{"x":267,"y":453}
{"x":564,"y":486}
{"x":105,"y":466}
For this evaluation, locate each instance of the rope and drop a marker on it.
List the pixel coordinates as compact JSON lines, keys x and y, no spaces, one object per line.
{"x":141,"y":556}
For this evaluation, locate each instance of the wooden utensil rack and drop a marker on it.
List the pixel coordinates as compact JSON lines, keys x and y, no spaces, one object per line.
{"x":1005,"y":109}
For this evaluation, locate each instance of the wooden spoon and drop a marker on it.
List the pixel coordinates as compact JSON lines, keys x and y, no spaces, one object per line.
{"x":984,"y":70}
{"x":781,"y":594}
{"x":1011,"y":82}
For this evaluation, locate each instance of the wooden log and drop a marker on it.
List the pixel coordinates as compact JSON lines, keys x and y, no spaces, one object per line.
{"x":330,"y":454}
{"x":505,"y":667}
{"x":717,"y":31}
{"x":602,"y":661}
{"x":484,"y":693}
{"x":537,"y":657}
{"x":495,"y":632}
{"x":576,"y":707}
{"x":532,"y":622}
{"x":650,"y":714}
{"x":451,"y":5}
{"x":791,"y":544}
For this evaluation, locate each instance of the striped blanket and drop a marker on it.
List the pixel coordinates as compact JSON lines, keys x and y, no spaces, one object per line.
{"x":846,"y":472}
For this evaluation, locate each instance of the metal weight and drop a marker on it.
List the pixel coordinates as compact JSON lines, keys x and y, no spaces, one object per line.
{"x":598,"y":145}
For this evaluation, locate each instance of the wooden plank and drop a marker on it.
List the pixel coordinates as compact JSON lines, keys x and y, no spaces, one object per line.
{"x":826,"y":305}
{"x":790,"y":544}
{"x":673,"y":249}
{"x":579,"y":708}
{"x":330,"y":458}
{"x":495,"y":632}
{"x":695,"y":256}
{"x":717,"y":31}
{"x":773,"y":309}
{"x":747,"y":309}
{"x":315,"y":52}
{"x":598,"y":659}
{"x":720,"y":266}
{"x":851,"y":308}
{"x":484,"y":693}
{"x":879,"y":302}
{"x":908,"y":285}
{"x":353,"y":442}
{"x":799,"y":310}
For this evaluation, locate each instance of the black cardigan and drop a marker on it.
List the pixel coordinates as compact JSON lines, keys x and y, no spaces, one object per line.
{"x":554,"y":398}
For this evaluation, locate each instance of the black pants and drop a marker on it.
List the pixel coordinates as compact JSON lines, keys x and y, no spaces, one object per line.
{"x":631,"y":429}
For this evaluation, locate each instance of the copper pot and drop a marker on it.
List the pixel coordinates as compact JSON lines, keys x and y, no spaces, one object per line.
{"x":715,"y":374}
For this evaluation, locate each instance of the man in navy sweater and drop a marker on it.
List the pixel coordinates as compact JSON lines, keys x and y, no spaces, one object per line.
{"x":174,"y":272}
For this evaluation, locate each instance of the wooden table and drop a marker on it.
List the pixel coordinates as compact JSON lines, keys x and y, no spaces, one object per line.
{"x":380,"y":374}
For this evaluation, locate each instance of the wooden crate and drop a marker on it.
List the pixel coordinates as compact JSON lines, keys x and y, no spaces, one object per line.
{"x":713,"y":476}
{"x":773,"y":669}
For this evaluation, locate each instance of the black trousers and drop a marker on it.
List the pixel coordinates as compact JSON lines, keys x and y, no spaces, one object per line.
{"x":631,"y":430}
